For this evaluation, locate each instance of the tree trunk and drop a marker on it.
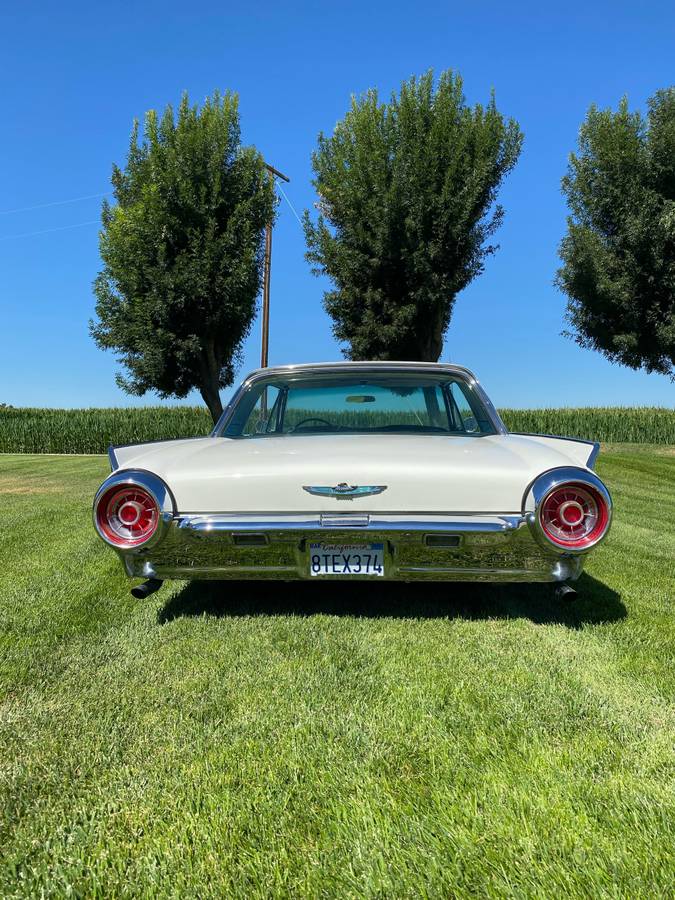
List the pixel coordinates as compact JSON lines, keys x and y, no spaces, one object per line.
{"x":433,"y":347}
{"x":211,"y":396}
{"x":429,"y":344}
{"x":434,"y":338}
{"x":426,"y":342}
{"x":210,"y":387}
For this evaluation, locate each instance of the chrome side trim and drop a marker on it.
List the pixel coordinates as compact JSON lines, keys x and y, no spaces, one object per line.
{"x":158,"y":491}
{"x":542,"y":486}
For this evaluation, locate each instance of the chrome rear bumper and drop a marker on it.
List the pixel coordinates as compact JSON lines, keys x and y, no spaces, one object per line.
{"x":429,"y":547}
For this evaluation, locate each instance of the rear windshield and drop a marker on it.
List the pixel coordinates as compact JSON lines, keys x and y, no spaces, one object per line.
{"x":387,"y":403}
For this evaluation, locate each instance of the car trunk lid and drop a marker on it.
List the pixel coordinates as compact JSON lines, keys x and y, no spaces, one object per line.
{"x":431,"y":473}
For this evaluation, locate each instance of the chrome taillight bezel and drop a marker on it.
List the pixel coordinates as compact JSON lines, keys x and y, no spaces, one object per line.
{"x":152,"y":485}
{"x":553,"y":480}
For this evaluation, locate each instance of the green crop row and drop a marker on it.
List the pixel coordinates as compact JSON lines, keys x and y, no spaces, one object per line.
{"x":92,"y":430}
{"x":613,"y":424}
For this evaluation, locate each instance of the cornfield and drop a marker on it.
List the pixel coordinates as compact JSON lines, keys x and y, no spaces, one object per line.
{"x":93,"y":430}
{"x":612,"y":424}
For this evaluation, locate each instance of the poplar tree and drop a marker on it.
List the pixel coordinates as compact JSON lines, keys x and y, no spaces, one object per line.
{"x":182,"y":247}
{"x":619,"y":251}
{"x":407,"y":193}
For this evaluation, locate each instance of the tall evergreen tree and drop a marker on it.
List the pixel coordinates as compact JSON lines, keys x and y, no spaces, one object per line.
{"x":619,"y":252}
{"x":182,"y":251}
{"x":407,"y":194}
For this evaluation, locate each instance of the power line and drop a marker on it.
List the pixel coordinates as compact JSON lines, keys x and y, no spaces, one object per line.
{"x":7,"y":212}
{"x":23,"y":234}
{"x":9,"y":237}
{"x":283,"y":194}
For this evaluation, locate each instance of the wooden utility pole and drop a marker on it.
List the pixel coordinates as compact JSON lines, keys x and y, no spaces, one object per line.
{"x":264,"y":350}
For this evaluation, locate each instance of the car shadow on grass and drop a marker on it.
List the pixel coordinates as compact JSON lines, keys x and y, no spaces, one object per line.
{"x":596,"y":603}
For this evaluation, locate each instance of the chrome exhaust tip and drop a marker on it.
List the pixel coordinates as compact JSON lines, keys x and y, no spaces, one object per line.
{"x":141,"y":591}
{"x":565,"y":592}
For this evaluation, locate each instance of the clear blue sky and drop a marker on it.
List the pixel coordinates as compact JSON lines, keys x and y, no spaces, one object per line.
{"x":76,"y":74}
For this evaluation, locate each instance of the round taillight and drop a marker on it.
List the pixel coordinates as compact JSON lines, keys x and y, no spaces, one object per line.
{"x":574,"y":515}
{"x":127,"y":515}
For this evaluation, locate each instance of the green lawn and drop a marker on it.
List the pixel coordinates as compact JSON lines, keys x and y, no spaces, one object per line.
{"x":393,"y":741}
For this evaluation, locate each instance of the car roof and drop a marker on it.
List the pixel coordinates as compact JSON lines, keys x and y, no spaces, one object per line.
{"x":365,"y":365}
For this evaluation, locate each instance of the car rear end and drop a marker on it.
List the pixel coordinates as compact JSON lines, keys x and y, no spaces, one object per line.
{"x":429,"y":491}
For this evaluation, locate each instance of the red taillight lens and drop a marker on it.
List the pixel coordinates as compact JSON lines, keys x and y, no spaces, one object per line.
{"x":127,"y":515}
{"x":574,"y":515}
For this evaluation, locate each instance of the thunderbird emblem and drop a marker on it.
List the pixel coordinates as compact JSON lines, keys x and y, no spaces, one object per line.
{"x":345,"y":490}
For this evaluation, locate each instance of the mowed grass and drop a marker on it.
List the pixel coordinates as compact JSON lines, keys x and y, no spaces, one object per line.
{"x":312,"y":740}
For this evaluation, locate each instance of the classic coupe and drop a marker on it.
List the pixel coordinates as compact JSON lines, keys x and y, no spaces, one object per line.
{"x":356,"y":470}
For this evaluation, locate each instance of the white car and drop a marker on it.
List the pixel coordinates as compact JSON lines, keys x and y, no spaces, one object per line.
{"x":356,"y":470}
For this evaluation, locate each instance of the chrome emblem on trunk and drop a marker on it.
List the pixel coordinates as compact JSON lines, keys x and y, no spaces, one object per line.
{"x":345,"y":490}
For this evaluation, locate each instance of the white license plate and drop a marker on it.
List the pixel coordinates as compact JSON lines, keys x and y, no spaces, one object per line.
{"x":346,"y":559}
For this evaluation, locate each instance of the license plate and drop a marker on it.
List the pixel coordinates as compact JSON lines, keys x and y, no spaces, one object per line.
{"x":346,"y":559}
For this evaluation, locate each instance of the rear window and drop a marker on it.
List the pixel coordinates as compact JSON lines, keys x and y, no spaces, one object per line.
{"x":394,"y":403}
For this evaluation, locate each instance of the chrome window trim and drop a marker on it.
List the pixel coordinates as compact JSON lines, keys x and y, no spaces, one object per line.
{"x":548,"y":481}
{"x":159,"y":492}
{"x":460,"y":372}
